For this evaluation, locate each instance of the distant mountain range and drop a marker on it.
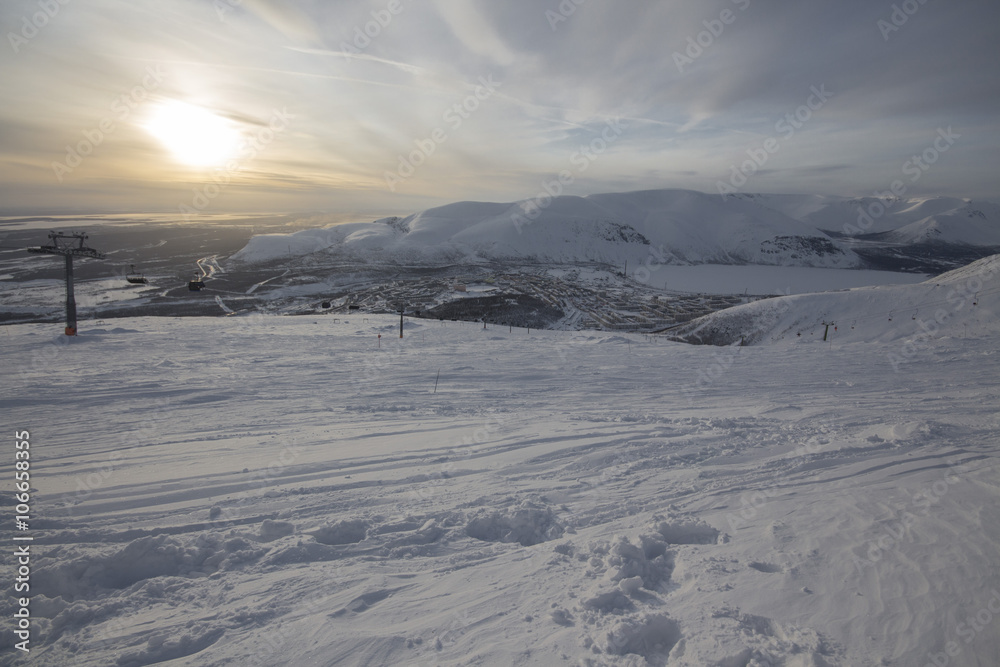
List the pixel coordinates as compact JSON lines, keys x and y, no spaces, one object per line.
{"x":661,"y":226}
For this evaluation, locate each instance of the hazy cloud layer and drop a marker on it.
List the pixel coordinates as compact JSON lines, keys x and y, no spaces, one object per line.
{"x":395,"y":105}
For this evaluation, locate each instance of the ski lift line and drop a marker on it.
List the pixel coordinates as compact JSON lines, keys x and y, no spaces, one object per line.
{"x":856,"y":320}
{"x":925,"y":305}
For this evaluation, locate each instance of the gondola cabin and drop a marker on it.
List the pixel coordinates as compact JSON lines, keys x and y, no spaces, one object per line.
{"x":135,"y":278}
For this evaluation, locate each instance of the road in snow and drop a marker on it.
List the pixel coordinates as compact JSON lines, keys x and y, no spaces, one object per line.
{"x":266,"y":490}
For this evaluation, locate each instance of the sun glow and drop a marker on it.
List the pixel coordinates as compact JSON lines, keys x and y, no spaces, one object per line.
{"x":194,"y":135}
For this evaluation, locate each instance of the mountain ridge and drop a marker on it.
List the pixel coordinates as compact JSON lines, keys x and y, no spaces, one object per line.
{"x":671,"y":225}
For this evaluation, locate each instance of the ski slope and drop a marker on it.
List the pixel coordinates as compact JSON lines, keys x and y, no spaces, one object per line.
{"x":945,"y":305}
{"x":296,"y":490}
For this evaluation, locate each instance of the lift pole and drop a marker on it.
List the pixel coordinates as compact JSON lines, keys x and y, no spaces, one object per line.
{"x":70,"y":298}
{"x":68,"y":251}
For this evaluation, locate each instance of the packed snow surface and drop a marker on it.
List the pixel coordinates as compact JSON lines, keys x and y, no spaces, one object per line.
{"x":296,"y":490}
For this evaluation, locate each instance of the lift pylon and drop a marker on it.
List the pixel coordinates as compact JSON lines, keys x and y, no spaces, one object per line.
{"x":58,"y":246}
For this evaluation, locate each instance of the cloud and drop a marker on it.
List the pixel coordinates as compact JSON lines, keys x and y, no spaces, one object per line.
{"x":412,"y":69}
{"x":474,"y":32}
{"x":285,"y":18}
{"x":355,"y":116}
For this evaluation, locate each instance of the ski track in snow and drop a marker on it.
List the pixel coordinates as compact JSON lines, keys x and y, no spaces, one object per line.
{"x":262,"y":491}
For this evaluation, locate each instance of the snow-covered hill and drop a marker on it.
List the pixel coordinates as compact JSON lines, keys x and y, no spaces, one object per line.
{"x":942,"y":306}
{"x":665,"y":226}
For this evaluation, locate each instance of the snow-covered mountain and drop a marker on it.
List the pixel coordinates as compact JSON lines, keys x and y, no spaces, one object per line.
{"x":971,"y":224}
{"x":662,"y":226}
{"x":941,"y":220}
{"x":672,"y":226}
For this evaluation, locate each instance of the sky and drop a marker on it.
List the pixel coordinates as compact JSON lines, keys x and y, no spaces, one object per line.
{"x":360,"y":107}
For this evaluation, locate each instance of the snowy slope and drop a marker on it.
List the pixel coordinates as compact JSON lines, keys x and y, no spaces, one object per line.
{"x":942,"y":306}
{"x":677,"y":226}
{"x":907,"y":221}
{"x":262,"y":491}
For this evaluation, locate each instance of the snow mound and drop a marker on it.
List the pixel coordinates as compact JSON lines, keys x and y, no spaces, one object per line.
{"x":623,"y":569}
{"x":687,"y":532}
{"x":769,"y":641}
{"x":526,"y":524}
{"x":162,"y":647}
{"x":274,"y":530}
{"x":342,"y":532}
{"x":143,"y":562}
{"x":651,"y":636}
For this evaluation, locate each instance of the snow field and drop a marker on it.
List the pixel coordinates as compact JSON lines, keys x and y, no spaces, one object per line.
{"x":259,"y":491}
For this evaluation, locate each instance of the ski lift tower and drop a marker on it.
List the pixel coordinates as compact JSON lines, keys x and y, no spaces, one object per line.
{"x":62,"y":244}
{"x":400,"y":308}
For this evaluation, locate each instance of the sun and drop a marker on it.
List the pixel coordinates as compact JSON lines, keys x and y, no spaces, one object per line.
{"x":196,"y":136}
